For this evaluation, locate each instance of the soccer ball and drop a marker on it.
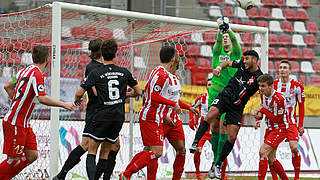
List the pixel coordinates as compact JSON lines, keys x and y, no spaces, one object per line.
{"x":246,"y":4}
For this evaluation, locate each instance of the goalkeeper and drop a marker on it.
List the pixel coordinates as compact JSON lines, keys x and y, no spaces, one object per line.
{"x":226,"y":48}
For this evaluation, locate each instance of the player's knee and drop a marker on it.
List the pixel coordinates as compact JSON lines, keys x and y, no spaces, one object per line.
{"x":294,"y":147}
{"x":115,"y":147}
{"x":32,"y":155}
{"x":232,"y":137}
{"x":181,"y":151}
{"x":262,"y":153}
{"x":212,"y":115}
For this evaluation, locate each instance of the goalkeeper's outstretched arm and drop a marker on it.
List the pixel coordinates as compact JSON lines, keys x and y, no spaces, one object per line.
{"x":235,"y":44}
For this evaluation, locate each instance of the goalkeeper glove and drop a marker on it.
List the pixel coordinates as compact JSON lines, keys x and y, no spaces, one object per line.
{"x":223,"y":24}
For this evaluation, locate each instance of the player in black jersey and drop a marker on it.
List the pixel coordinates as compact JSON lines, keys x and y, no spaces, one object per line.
{"x":74,"y":156}
{"x":232,"y":101}
{"x":110,"y":82}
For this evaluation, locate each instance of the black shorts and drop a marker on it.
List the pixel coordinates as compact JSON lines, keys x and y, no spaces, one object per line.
{"x":89,"y":117}
{"x":104,"y":130}
{"x":233,"y":112}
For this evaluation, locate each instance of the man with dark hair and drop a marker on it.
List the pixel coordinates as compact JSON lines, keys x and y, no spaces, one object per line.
{"x":293,"y":92}
{"x":273,"y":105}
{"x":20,"y":141}
{"x":110,"y":82}
{"x":151,"y":115}
{"x":232,"y":101}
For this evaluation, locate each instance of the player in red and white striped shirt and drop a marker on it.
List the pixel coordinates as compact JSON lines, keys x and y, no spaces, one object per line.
{"x":152,"y":113}
{"x":202,"y":103}
{"x":273,"y":105}
{"x":293,"y":92}
{"x":20,"y":142}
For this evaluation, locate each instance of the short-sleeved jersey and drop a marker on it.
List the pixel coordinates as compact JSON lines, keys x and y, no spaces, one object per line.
{"x":30,"y":83}
{"x":202,"y":103}
{"x":276,"y":106}
{"x":157,"y":83}
{"x":242,"y":86}
{"x":293,"y":91}
{"x":111,"y":83}
{"x":172,"y":92}
{"x":93,"y":100}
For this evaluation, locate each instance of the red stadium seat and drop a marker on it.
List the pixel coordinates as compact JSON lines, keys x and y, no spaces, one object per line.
{"x":267,"y":2}
{"x":190,"y":64}
{"x":209,"y":37}
{"x":227,"y":11}
{"x":307,"y":53}
{"x":295,"y":53}
{"x":123,"y":61}
{"x":305,"y":3}
{"x":181,"y":49}
{"x":83,"y":60}
{"x":283,"y":53}
{"x":304,"y":79}
{"x":262,"y":23}
{"x":302,"y":14}
{"x":14,"y":58}
{"x":312,"y":27}
{"x":285,"y":39}
{"x":287,"y":26}
{"x":273,"y":39}
{"x":247,"y":38}
{"x":310,"y":40}
{"x":265,"y":13}
{"x":65,"y":72}
{"x":2,"y":58}
{"x":271,"y":66}
{"x":193,"y":50}
{"x":200,"y":78}
{"x":289,"y":13}
{"x":204,"y":65}
{"x":253,"y":13}
{"x":77,"y":32}
{"x":316,"y":67}
{"x":315,"y":80}
{"x":237,"y":21}
{"x":249,"y":22}
{"x":79,"y":74}
{"x":280,"y":3}
{"x":272,"y":53}
{"x":105,"y":33}
{"x":91,"y":32}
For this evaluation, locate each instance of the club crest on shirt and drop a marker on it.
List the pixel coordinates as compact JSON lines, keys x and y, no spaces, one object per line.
{"x":251,"y":80}
{"x":41,"y":88}
{"x":157,"y":88}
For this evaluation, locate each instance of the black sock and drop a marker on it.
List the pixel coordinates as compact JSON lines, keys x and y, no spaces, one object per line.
{"x":73,"y":159}
{"x":204,"y":125}
{"x":111,"y":162}
{"x":102,"y":164}
{"x":91,"y":166}
{"x":227,"y":148}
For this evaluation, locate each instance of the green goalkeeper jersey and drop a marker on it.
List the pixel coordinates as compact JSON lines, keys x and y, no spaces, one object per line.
{"x":220,"y":56}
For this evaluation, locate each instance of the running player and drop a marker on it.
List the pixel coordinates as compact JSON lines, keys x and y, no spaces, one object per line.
{"x":273,"y":105}
{"x":232,"y":101}
{"x":110,"y":82}
{"x":202,"y":103}
{"x":25,"y":89}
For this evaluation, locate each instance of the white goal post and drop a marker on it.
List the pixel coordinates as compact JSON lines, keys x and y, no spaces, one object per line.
{"x":57,"y":8}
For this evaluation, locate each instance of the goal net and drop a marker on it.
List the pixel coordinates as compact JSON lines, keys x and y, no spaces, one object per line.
{"x":68,"y":28}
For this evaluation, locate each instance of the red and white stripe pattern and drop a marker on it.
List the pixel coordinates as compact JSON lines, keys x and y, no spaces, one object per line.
{"x":275,"y":104}
{"x":30,"y":83}
{"x":293,"y":92}
{"x":202,"y":103}
{"x":158,"y":81}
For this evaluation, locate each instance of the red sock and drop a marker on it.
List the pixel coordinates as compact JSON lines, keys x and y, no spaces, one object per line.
{"x":152,"y":169}
{"x":296,"y":161}
{"x":196,"y":159}
{"x":273,"y":173}
{"x":140,"y":163}
{"x":19,"y":166}
{"x":263,"y":168}
{"x":178,"y":165}
{"x":223,"y":168}
{"x":6,"y":169}
{"x":135,"y":158}
{"x":279,"y":169}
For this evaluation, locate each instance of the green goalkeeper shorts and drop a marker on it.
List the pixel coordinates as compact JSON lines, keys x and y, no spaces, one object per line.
{"x":213,"y":92}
